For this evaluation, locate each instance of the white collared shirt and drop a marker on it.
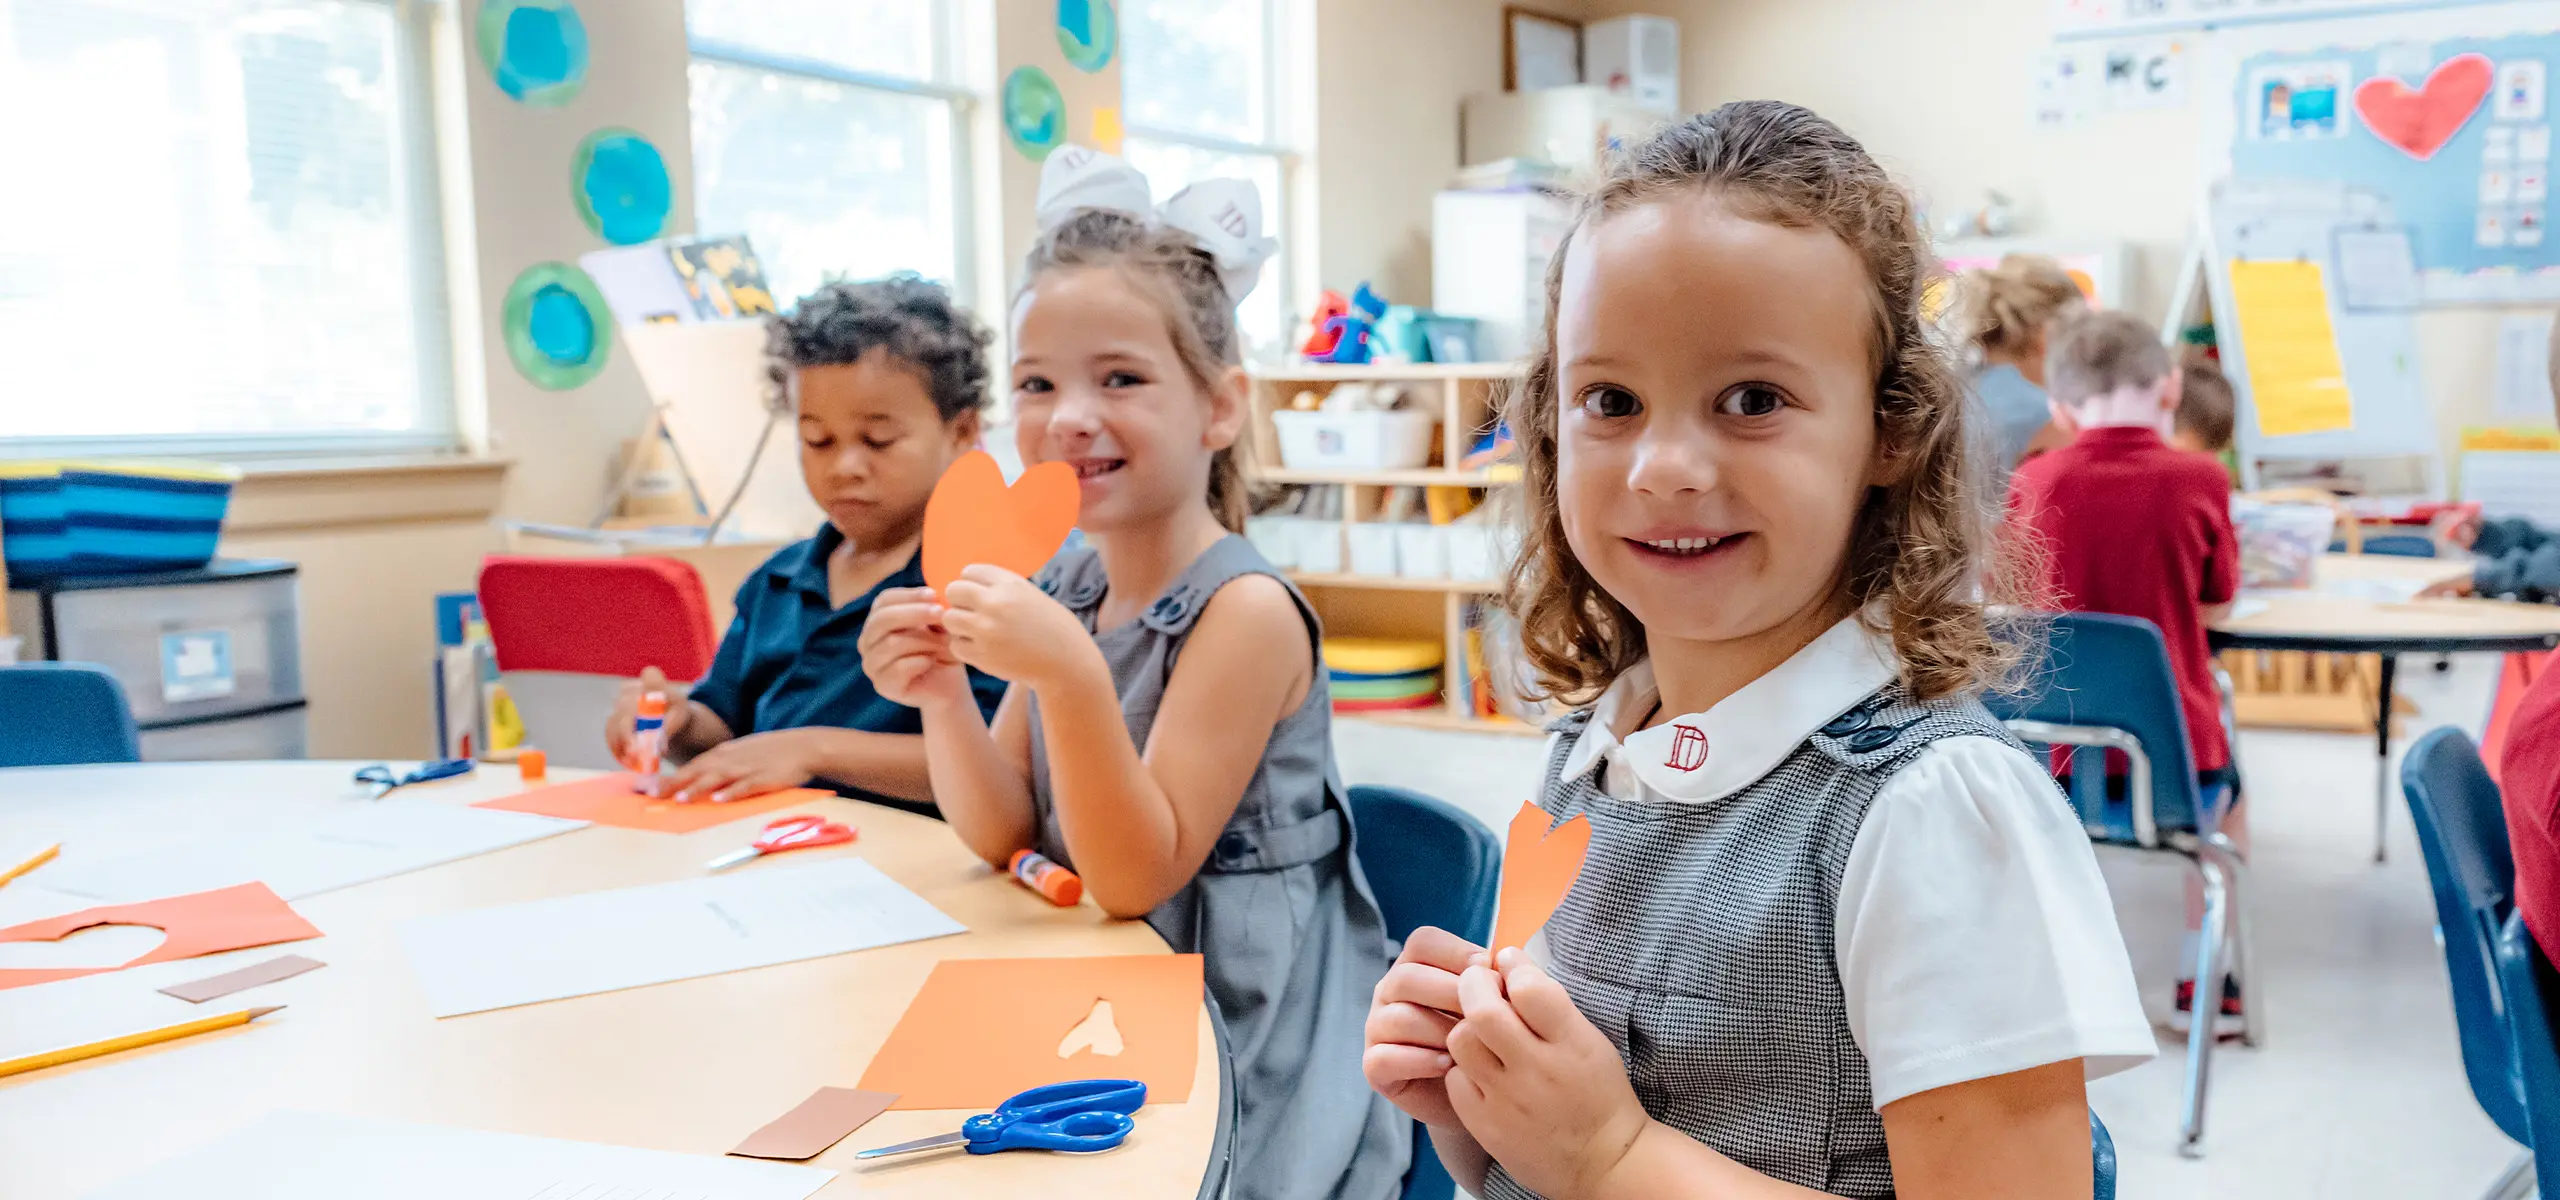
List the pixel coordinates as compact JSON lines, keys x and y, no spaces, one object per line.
{"x":1973,"y":933}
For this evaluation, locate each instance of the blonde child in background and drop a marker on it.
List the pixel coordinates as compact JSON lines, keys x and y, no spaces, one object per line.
{"x":1168,"y":732}
{"x":2009,"y":313}
{"x":1837,"y":932}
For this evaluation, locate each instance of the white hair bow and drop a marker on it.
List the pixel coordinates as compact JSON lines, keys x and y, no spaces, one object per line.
{"x":1223,"y":215}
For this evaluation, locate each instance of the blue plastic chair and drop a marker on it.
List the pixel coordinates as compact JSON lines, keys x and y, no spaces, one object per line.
{"x":2401,"y":545}
{"x":2526,"y":980}
{"x":1429,"y":863}
{"x":2105,"y":685}
{"x":2462,"y":831}
{"x":64,"y":714}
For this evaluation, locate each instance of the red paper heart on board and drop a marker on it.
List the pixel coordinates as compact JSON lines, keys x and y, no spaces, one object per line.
{"x":2420,"y":122}
{"x":1539,"y":866}
{"x":974,"y":518}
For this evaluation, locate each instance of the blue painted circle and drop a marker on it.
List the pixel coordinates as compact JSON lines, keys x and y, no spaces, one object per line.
{"x":1088,"y":33}
{"x":1035,"y":112}
{"x":560,"y":326}
{"x":555,"y":326}
{"x":623,"y":191}
{"x":536,"y":50}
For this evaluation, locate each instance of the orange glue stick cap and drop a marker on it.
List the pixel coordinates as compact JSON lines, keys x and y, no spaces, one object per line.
{"x":1056,"y":883}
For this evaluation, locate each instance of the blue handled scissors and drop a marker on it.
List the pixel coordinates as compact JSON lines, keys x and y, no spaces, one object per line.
{"x":383,"y":781}
{"x":1087,"y":1116}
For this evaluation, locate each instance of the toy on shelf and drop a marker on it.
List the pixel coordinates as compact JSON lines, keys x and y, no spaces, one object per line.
{"x":1345,"y":330}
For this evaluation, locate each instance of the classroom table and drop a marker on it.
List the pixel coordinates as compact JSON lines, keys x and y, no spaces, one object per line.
{"x":691,"y":1066}
{"x":2342,"y":621}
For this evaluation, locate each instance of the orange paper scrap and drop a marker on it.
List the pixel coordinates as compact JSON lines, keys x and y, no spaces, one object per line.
{"x":973,"y":518}
{"x":983,"y":1029}
{"x":1538,"y":868}
{"x":232,"y":918}
{"x":609,"y":800}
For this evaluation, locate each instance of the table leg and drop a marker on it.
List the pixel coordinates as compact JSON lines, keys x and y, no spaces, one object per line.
{"x":2382,"y":757}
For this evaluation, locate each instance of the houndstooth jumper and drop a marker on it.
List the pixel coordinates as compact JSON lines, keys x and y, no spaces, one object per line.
{"x":1700,"y":938}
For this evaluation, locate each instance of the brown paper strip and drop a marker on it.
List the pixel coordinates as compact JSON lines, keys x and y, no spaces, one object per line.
{"x":821,"y":1121}
{"x":218,"y":986}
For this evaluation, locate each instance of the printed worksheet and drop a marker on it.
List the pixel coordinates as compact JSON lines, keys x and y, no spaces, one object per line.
{"x":319,"y":1156}
{"x":367,"y":841}
{"x":606,"y":941}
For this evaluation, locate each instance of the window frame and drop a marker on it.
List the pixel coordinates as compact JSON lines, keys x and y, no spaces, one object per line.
{"x":938,"y":86}
{"x":439,"y":417}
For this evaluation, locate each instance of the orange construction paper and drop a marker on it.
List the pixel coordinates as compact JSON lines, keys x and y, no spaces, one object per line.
{"x":973,"y":517}
{"x":983,"y":1029}
{"x":609,"y":800}
{"x":232,"y":918}
{"x":1538,"y":868}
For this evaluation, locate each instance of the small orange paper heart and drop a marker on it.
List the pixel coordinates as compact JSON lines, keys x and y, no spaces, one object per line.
{"x":974,"y":518}
{"x":1538,"y":867}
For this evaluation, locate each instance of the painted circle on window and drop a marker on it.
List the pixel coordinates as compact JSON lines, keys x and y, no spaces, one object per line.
{"x":536,"y":50}
{"x":556,"y":326}
{"x":1088,"y":33}
{"x":1035,"y":114}
{"x":622,"y":187}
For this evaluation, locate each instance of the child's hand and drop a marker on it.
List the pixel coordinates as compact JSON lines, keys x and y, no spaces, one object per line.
{"x":906,"y":652}
{"x":1407,"y":1037}
{"x":1536,"y":1083}
{"x":1006,"y":626}
{"x":746,"y":766}
{"x":626,"y":712}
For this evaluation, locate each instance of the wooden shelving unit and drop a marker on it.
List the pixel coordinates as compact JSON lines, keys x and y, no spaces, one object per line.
{"x":1394,"y":606}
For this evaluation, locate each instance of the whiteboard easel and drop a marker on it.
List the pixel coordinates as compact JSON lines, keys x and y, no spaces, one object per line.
{"x":709,"y":392}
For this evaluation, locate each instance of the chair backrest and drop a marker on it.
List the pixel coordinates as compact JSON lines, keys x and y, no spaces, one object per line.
{"x":2102,"y":1159}
{"x":2400,"y":545}
{"x":597,"y":616}
{"x":64,"y":714}
{"x":2100,"y":671}
{"x":2525,"y":975}
{"x":1429,"y":863}
{"x":2463,"y":833}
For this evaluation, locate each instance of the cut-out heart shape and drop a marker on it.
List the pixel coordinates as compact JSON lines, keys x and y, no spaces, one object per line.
{"x":1096,"y":1032}
{"x":2420,"y":121}
{"x":232,"y":918}
{"x":1539,"y":866}
{"x":973,"y":517}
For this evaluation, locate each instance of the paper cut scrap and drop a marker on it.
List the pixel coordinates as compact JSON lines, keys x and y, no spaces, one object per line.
{"x":609,"y":800}
{"x":820,"y":1121}
{"x":216,"y":987}
{"x":232,"y":918}
{"x":974,"y":518}
{"x":982,"y":1029}
{"x":1096,"y":1032}
{"x":1538,"y":867}
{"x":2289,"y":347}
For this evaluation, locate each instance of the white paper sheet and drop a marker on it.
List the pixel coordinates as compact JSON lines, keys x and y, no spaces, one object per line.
{"x":2514,"y":483}
{"x":315,"y":1156}
{"x":2524,"y":367}
{"x":606,"y":941}
{"x":369,"y":840}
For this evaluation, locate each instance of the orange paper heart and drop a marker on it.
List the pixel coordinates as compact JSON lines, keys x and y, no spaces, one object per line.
{"x":974,"y":518}
{"x":1538,"y":867}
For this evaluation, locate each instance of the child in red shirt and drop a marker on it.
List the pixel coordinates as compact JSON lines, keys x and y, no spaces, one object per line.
{"x":2529,"y":781}
{"x":2133,"y":526}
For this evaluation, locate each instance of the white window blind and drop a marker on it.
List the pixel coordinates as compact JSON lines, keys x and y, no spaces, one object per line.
{"x":222,"y":234}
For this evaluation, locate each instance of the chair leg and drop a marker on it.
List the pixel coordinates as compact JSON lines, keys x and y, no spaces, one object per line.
{"x":2244,"y":962}
{"x":2517,"y":1183}
{"x":2208,"y":1001}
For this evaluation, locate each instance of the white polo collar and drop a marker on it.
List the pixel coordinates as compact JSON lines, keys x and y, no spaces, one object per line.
{"x":1708,"y":756}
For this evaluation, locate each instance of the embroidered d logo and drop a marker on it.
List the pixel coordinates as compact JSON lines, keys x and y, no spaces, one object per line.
{"x":1688,"y":748}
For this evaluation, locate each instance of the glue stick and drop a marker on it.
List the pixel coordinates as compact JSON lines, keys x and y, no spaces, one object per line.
{"x":1055,"y":882}
{"x":649,"y":736}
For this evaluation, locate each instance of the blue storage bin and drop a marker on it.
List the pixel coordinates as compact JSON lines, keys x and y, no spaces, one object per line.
{"x":34,"y":528}
{"x":89,"y":518}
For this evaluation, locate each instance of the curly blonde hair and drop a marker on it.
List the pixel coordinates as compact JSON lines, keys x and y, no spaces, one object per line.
{"x":1923,"y":558}
{"x":2003,"y":309}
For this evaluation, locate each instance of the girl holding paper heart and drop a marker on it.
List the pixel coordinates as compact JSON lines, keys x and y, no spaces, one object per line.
{"x":1168,"y":734}
{"x":1835,"y":932}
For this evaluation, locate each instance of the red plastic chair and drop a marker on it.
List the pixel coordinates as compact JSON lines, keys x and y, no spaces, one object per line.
{"x":568,"y":631}
{"x":2514,"y":677}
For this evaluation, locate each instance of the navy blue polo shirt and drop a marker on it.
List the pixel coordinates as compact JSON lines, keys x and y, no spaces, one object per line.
{"x":791,"y":660}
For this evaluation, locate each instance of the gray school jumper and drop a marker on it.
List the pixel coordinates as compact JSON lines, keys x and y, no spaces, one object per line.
{"x":1700,"y":939}
{"x":1292,"y":938}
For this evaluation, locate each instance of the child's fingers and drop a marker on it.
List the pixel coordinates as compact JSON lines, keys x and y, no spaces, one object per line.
{"x":717,"y":774}
{"x":887,"y":620}
{"x":1463,"y":1089}
{"x":895,"y":646}
{"x":986,"y":575}
{"x":753,"y":783}
{"x":1488,"y":1012}
{"x":966,"y":625}
{"x":1540,"y":1002}
{"x":1439,"y":948}
{"x":965,"y":592}
{"x":1418,"y":983}
{"x":1386,"y":1063}
{"x":1469,"y":1051}
{"x":1409,"y":1025}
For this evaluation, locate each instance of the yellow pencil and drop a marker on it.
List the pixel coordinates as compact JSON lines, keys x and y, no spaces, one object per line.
{"x":55,"y":1058}
{"x":42,"y":857}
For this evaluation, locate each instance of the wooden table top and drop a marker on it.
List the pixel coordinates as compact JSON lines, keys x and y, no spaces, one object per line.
{"x":691,"y":1066}
{"x":2355,"y":601}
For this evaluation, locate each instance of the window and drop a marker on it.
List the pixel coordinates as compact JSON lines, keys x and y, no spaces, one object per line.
{"x":225,"y":236}
{"x":827,"y":131}
{"x":1200,"y":86}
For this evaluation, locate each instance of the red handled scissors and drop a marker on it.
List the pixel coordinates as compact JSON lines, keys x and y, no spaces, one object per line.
{"x":789,"y":833}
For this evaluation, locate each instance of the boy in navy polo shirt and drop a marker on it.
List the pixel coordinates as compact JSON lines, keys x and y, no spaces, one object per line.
{"x":887,"y":378}
{"x":2134,"y":526}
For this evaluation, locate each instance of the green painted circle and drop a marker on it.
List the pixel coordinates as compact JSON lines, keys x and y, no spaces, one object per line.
{"x":535,"y":50}
{"x":1035,"y":112}
{"x":1088,"y":33}
{"x":542,"y":327}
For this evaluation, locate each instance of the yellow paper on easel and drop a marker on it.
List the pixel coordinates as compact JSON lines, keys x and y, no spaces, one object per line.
{"x":2295,"y":380}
